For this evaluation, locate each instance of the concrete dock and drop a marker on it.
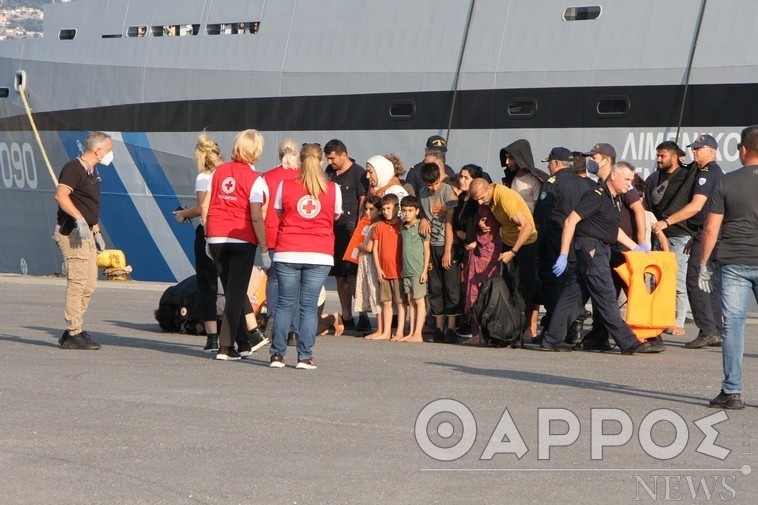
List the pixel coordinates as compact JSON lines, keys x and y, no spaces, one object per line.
{"x":149,"y":419}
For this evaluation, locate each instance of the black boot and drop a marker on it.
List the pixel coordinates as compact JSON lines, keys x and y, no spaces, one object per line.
{"x":211,"y":343}
{"x":574,"y":335}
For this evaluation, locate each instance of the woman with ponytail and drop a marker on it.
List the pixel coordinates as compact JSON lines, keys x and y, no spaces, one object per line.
{"x":307,"y":208}
{"x":207,"y":158}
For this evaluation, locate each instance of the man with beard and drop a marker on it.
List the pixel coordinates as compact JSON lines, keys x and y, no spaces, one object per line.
{"x":667,"y":192}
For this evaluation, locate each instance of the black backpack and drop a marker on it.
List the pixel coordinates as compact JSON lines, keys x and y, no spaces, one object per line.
{"x":180,"y":309}
{"x":499,"y":312}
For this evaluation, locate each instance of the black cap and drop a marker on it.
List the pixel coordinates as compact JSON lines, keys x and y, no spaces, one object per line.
{"x":558,"y":153}
{"x":436,"y":143}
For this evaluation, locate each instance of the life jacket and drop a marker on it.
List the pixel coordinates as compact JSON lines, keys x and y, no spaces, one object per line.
{"x":651,"y":279}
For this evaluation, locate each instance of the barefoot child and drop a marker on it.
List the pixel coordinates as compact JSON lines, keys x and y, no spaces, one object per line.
{"x":367,"y":280}
{"x":416,"y":253}
{"x":386,"y":249}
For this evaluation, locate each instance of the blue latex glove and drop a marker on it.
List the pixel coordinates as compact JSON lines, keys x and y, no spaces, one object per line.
{"x":704,"y":278}
{"x":99,"y":242}
{"x":643,"y":247}
{"x":266,"y":261}
{"x":83,"y":229}
{"x":560,"y":265}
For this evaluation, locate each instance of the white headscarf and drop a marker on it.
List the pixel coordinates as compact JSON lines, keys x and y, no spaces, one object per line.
{"x":384,"y":169}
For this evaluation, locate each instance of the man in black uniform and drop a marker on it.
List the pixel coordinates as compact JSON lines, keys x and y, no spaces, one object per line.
{"x":353,"y":184}
{"x":434,"y":144}
{"x":706,"y":307}
{"x":78,"y":234}
{"x":558,"y":197}
{"x":595,"y":221}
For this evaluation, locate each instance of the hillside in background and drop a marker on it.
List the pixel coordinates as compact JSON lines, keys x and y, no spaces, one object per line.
{"x":12,"y":4}
{"x":21,"y":18}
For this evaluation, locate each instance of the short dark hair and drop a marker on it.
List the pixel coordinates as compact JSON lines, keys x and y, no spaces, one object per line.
{"x":374,"y":200}
{"x":670,"y":145}
{"x":335,"y":146}
{"x":579,"y":161}
{"x":430,"y":173}
{"x":749,"y":138}
{"x":390,"y":198}
{"x":409,"y":201}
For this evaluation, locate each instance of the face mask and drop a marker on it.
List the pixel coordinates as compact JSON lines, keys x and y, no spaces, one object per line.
{"x":107,"y":159}
{"x":592,"y":166}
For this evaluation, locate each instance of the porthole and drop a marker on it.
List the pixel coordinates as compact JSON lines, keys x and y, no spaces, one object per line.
{"x":522,"y":108}
{"x":581,"y":13}
{"x":402,"y":109}
{"x":66,"y":34}
{"x":612,"y":106}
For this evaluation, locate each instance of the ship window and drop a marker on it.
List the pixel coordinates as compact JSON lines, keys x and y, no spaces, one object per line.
{"x":402,"y":109}
{"x":522,"y":108}
{"x":66,"y":34}
{"x":612,"y":106}
{"x":581,"y":13}
{"x":112,"y":36}
{"x":4,"y":92}
{"x":174,"y":30}
{"x":241,"y":27}
{"x":136,"y":31}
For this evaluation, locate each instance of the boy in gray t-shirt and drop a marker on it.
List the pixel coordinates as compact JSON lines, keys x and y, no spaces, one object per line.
{"x":438,"y":204}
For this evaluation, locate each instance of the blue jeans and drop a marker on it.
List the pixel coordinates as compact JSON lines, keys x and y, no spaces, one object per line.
{"x":676,"y":246}
{"x":272,"y":293}
{"x":307,"y":281}
{"x":737,"y":281}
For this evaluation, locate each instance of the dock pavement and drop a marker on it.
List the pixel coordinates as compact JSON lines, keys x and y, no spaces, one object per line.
{"x":150,"y":419}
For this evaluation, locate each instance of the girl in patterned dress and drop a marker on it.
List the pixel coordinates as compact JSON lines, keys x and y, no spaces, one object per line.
{"x":367,"y":280}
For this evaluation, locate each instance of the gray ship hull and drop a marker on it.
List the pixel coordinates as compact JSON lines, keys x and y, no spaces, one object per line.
{"x":381,"y":76}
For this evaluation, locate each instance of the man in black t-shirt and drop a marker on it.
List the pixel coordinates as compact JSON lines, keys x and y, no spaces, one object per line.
{"x":593,"y":226}
{"x":734,"y":213}
{"x":706,"y":307}
{"x":668,"y":190}
{"x":351,"y":178}
{"x":78,"y":234}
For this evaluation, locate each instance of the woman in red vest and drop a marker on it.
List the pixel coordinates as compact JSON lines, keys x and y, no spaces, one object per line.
{"x":307,"y":208}
{"x":232,"y":212}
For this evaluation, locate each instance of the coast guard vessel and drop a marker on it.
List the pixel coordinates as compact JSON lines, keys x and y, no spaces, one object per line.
{"x":380,"y":75}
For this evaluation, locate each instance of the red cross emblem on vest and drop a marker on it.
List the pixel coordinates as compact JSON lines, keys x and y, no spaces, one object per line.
{"x":308,"y":207}
{"x":228,"y":185}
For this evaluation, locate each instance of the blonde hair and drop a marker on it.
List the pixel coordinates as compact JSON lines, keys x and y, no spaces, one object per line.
{"x":247,"y":147}
{"x":207,"y":154}
{"x":289,"y":154}
{"x":395,"y":160}
{"x":311,"y":171}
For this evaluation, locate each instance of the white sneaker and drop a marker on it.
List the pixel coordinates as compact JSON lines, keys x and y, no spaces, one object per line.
{"x":306,"y":364}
